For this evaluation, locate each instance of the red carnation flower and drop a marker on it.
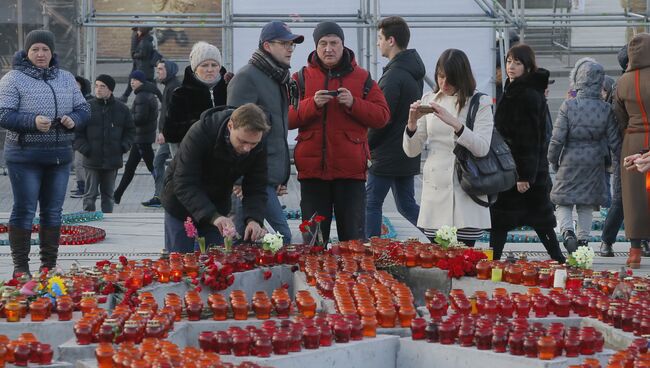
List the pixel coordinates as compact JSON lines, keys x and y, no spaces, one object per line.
{"x":124,"y":261}
{"x":268,"y":274}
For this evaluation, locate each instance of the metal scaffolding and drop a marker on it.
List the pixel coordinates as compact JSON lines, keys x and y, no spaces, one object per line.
{"x":502,"y":16}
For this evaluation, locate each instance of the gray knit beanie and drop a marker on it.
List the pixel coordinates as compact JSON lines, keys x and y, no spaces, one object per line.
{"x":39,"y":36}
{"x":202,"y":51}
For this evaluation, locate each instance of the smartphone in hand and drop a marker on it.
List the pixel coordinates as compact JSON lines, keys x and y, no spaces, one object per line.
{"x":426,"y":109}
{"x":333,"y":93}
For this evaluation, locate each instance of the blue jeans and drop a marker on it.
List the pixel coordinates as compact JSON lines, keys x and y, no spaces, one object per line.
{"x":176,"y":239}
{"x":377,"y":188}
{"x":32,"y":184}
{"x":274,"y":215}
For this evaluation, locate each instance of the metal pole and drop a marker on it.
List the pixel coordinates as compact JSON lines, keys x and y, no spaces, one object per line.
{"x":647,"y":16}
{"x":46,"y":18}
{"x":228,"y":34}
{"x":375,"y":56}
{"x":19,"y":19}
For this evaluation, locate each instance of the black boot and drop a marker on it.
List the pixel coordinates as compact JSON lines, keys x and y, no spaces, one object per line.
{"x":645,"y":248}
{"x":570,"y":241}
{"x":606,"y":250}
{"x":20,"y":243}
{"x":49,"y":236}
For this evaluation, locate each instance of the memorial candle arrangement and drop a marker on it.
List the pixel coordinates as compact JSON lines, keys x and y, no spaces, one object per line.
{"x":26,"y":350}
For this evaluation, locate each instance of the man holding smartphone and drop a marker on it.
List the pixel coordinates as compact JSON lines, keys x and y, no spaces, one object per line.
{"x":402,"y":83}
{"x":338,"y":103}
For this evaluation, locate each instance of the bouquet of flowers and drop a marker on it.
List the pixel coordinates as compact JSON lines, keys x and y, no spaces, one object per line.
{"x":216,"y":275}
{"x":446,"y":236}
{"x":583,"y":257}
{"x":461,"y":265}
{"x":272,"y":242}
{"x":311,"y":231}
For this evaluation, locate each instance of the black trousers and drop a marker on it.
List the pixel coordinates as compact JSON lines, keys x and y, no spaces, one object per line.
{"x":345,"y":198}
{"x":546,"y":235}
{"x":139,"y":151}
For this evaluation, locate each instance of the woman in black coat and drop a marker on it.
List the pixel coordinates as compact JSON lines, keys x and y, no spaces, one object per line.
{"x":521,"y":119}
{"x":203,"y":87}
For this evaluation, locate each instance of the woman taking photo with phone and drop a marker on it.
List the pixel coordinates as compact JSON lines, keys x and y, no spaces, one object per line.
{"x":439,"y":118}
{"x":520,"y":118}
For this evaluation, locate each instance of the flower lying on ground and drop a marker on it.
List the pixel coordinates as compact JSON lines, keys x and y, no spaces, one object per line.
{"x":272,"y":242}
{"x":583,"y":257}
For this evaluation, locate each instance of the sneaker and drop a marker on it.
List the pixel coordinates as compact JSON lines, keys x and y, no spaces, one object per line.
{"x":77,"y":194}
{"x":153,"y":202}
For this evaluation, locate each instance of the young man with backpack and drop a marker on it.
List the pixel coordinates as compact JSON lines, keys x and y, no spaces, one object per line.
{"x":332,"y":118}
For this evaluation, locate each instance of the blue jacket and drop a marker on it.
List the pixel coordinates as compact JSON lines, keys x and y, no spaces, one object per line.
{"x":28,"y":91}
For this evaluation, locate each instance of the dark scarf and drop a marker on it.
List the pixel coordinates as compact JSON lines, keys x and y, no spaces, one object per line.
{"x":278,"y":72}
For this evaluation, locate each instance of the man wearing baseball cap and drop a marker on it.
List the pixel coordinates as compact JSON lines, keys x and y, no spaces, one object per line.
{"x":108,"y":135}
{"x":266,"y":81}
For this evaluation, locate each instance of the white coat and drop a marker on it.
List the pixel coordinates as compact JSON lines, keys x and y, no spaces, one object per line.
{"x":443,"y":200}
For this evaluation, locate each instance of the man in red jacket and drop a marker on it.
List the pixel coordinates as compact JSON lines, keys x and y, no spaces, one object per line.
{"x":338,"y":104}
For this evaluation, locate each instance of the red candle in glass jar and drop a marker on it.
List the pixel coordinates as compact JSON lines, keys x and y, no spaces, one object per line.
{"x":45,"y":354}
{"x":280,"y":342}
{"x":311,"y":337}
{"x":241,"y":344}
{"x":418,"y":325}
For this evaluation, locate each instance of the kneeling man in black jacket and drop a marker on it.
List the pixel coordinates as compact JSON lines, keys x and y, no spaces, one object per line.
{"x":219,"y":149}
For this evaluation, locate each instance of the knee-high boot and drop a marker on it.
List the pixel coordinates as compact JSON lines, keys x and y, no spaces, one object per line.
{"x":20,"y":243}
{"x":49,"y":236}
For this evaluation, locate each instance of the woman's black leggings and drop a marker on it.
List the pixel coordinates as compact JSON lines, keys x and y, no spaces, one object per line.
{"x":139,"y":151}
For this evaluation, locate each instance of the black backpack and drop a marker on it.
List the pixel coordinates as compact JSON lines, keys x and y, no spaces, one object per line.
{"x":489,"y":175}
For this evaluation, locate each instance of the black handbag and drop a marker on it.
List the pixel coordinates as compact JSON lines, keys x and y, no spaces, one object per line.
{"x":489,"y":175}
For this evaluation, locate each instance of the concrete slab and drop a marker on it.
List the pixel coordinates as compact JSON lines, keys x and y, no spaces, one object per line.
{"x":379,"y":352}
{"x":420,"y":354}
{"x":615,"y":339}
{"x":51,"y":331}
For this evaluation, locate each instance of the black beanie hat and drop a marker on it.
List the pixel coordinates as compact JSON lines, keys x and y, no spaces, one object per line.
{"x":325,"y":28}
{"x":107,"y":80}
{"x":39,"y":36}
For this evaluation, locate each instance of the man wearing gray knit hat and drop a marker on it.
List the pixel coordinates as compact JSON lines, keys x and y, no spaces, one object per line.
{"x":266,"y":81}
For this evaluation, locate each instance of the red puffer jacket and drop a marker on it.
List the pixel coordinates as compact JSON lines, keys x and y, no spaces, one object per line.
{"x":333,"y":140}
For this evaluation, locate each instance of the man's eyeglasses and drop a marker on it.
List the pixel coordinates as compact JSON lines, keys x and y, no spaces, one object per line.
{"x":286,"y":44}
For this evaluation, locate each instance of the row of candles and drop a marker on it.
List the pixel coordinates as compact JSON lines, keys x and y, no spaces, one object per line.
{"x":630,"y":316}
{"x":517,"y":336}
{"x":24,"y":350}
{"x":159,"y":353}
{"x":284,"y":337}
{"x":634,"y":356}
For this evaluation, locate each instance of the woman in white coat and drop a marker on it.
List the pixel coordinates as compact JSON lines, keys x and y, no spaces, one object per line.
{"x":443,"y":200}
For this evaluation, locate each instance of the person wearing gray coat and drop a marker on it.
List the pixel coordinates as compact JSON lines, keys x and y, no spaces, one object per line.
{"x":266,"y":81}
{"x":577,"y":154}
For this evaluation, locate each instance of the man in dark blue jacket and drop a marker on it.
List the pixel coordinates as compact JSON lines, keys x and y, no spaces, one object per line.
{"x":391,"y":169}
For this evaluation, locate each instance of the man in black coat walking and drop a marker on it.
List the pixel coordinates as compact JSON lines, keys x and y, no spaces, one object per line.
{"x":223,"y":146}
{"x":102,"y":141}
{"x":166,"y":75}
{"x":402,"y":84}
{"x":145,"y":118}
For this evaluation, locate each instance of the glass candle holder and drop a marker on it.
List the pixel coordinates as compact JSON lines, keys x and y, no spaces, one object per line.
{"x":281,"y":340}
{"x":466,"y":336}
{"x":84,"y":333}
{"x":12,"y":311}
{"x":499,"y":340}
{"x":516,"y":343}
{"x":447,"y":333}
{"x":21,"y":354}
{"x":342,"y":332}
{"x":325,"y":335}
{"x":530,"y":346}
{"x":418,"y":326}
{"x":38,"y":311}
{"x":311,"y":337}
{"x":64,"y":309}
{"x":546,"y":348}
{"x":431,"y":332}
{"x":483,"y":338}
{"x":483,"y":270}
{"x":45,"y":354}
{"x":241,"y":344}
{"x":104,"y":354}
